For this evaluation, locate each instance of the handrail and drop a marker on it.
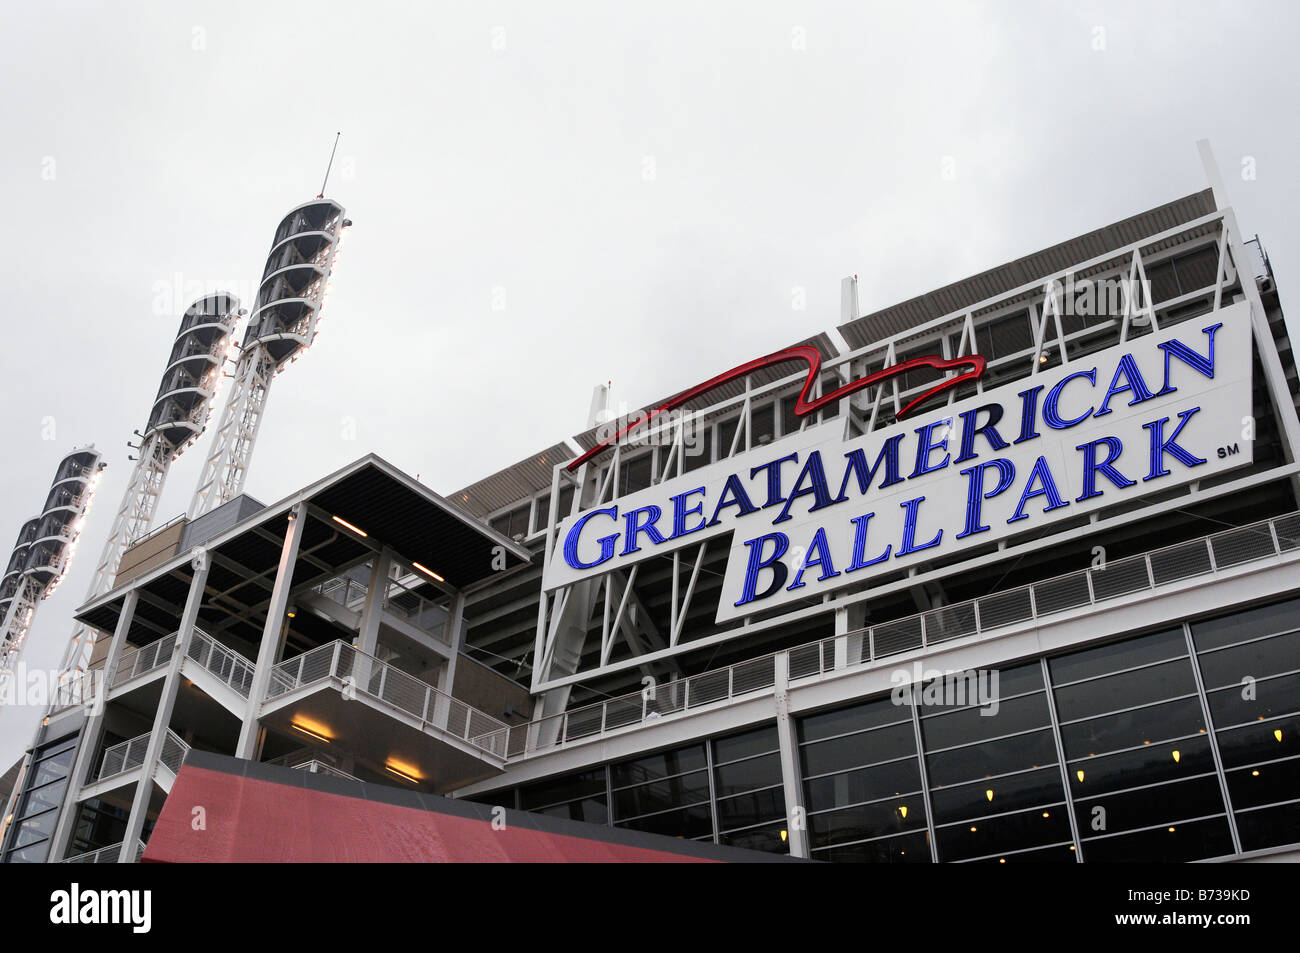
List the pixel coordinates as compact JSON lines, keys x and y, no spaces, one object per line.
{"x":122,"y":757}
{"x":225,"y":663}
{"x":140,"y":661}
{"x":1207,"y":555}
{"x":366,"y":675}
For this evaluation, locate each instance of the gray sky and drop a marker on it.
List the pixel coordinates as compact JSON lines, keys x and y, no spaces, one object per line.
{"x":643,"y":190}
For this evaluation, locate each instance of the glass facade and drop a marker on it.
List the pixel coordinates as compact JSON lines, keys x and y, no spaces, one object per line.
{"x":27,"y":839}
{"x":1174,"y":745}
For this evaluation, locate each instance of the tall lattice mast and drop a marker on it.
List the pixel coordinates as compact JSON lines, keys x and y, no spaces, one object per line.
{"x":44,"y":549}
{"x":283,"y":324}
{"x":179,"y":415}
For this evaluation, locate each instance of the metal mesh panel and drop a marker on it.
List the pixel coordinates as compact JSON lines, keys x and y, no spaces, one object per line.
{"x":622,"y":711}
{"x":1242,"y":545}
{"x":1065,"y":592}
{"x":807,"y":659}
{"x":890,"y":638}
{"x":709,"y":687}
{"x":753,"y":675}
{"x":950,"y":622}
{"x":583,"y":722}
{"x":1120,"y":577}
{"x":1004,"y":608}
{"x":1288,"y":531}
{"x":1180,"y":562}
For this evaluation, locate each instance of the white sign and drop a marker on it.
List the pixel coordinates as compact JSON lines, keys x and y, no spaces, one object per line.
{"x":814,"y":512}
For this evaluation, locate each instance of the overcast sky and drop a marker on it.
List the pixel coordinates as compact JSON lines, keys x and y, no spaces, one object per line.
{"x":549,"y":196}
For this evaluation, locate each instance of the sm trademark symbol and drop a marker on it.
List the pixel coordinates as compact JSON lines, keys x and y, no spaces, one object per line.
{"x":1230,"y":451}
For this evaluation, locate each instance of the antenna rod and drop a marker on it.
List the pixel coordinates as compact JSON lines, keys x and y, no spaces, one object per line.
{"x":330,"y":166}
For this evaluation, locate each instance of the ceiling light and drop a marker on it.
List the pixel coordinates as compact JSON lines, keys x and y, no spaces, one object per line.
{"x":343,"y":522}
{"x":312,"y":729}
{"x":404,"y":771}
{"x":428,"y":572}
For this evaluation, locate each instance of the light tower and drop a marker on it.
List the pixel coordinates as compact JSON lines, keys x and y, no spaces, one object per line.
{"x":179,"y":415}
{"x":44,"y":549}
{"x":283,"y":324}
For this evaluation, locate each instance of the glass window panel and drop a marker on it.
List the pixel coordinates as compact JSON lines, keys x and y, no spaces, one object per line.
{"x":1265,"y":784}
{"x":1270,"y":827}
{"x":661,"y":795}
{"x":1208,"y":838}
{"x":867,"y":747}
{"x":749,"y":809}
{"x":592,"y":810}
{"x":865,"y":784}
{"x":35,"y":854}
{"x":1162,"y":804}
{"x":36,"y":827}
{"x":995,"y":835}
{"x":873,"y":714}
{"x":566,"y":788}
{"x":1019,"y":680}
{"x":694,"y":821}
{"x":746,"y":775}
{"x":760,"y":741}
{"x":973,"y":724}
{"x":1117,"y":655}
{"x":43,"y":798}
{"x":1262,"y":741}
{"x":52,"y":769}
{"x":1229,"y":666}
{"x":1131,"y":728}
{"x":763,"y":420}
{"x":761,"y":838}
{"x":866,"y":820}
{"x":1056,"y":854}
{"x":1267,"y":698}
{"x":660,"y":765}
{"x":1166,"y":680}
{"x":1034,"y":750}
{"x":904,"y":849}
{"x":1246,"y":624}
{"x":1150,"y":764}
{"x":968,"y":801}
{"x":698,"y":452}
{"x":634,"y":473}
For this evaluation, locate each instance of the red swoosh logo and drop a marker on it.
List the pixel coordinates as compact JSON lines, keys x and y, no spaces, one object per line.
{"x":803,"y":406}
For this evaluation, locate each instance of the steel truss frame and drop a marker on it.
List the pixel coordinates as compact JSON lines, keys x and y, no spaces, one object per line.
{"x":564,"y":614}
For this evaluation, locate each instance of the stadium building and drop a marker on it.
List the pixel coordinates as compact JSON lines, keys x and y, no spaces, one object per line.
{"x":1006,"y":572}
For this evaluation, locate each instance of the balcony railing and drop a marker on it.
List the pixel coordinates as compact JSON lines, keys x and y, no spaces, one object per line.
{"x":1206,"y":556}
{"x":320,"y":767}
{"x":104,"y":855}
{"x":128,"y":755}
{"x":123,"y":757}
{"x":390,"y":686}
{"x":227,"y":665}
{"x":141,"y":661}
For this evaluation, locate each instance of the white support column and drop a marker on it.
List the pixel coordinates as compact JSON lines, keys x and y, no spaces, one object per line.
{"x":368,"y":633}
{"x":455,"y":630}
{"x":88,"y":746}
{"x":791,"y":778}
{"x":272,"y":631}
{"x":163,"y":716}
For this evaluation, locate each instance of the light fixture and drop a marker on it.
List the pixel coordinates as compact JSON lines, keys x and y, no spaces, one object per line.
{"x":1254,"y":774}
{"x":902,"y":810}
{"x":785,"y":836}
{"x":1277,"y":733}
{"x":312,"y":729}
{"x":989,"y":794}
{"x":404,"y":771}
{"x":1047,"y":814}
{"x":973,"y":829}
{"x":1002,"y":860}
{"x":343,"y":522}
{"x":1079,"y":775}
{"x":293,"y":612}
{"x":1171,"y":830}
{"x":1177,"y":755}
{"x":428,"y":572}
